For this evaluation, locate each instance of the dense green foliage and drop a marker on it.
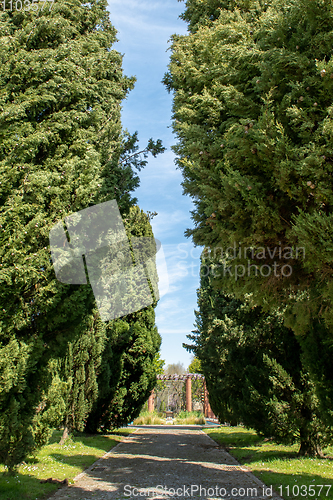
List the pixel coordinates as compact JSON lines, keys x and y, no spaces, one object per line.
{"x":194,"y":366}
{"x":108,"y":372}
{"x":253,"y":90}
{"x":252,"y":113}
{"x":254,"y":371}
{"x":197,"y":385}
{"x":62,"y":149}
{"x":69,"y":399}
{"x":130,"y":357}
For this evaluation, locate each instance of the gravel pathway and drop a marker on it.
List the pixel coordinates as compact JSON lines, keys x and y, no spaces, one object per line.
{"x":162,"y":462}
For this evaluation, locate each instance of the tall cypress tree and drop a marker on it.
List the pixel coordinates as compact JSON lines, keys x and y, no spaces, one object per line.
{"x":108,"y":372}
{"x":252,"y":114}
{"x":79,"y":370}
{"x":128,"y":369}
{"x":62,"y":149}
{"x":254,"y":370}
{"x":252,"y":111}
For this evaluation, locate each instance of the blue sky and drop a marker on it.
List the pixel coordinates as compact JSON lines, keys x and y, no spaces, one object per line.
{"x":144,"y":29}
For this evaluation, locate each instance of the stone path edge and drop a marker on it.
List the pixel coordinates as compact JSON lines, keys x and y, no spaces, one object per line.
{"x":106,"y":455}
{"x":247,"y":470}
{"x":92,"y":466}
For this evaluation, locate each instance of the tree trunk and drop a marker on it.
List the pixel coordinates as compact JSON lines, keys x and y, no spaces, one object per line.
{"x":309,"y":445}
{"x":12,"y":470}
{"x":64,"y":436}
{"x":66,"y":433}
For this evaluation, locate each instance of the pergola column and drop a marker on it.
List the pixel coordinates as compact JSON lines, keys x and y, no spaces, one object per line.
{"x":188,"y":387}
{"x":208,"y":412}
{"x":206,"y":403}
{"x":151,"y":402}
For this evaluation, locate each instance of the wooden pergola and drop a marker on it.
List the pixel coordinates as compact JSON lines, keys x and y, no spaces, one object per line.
{"x":187,"y":378}
{"x":183,"y":377}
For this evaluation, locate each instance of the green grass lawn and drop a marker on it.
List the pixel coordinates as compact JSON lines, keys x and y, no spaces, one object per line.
{"x":279,"y":465}
{"x":58,"y":462}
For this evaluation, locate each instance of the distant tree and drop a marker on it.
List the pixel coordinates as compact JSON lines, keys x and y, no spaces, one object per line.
{"x":197,"y":385}
{"x":195,"y":366}
{"x":159,"y":364}
{"x":175,"y":368}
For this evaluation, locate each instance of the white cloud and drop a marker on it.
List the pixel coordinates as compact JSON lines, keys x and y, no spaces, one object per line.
{"x":165,"y":223}
{"x":144,"y":23}
{"x":162,"y":168}
{"x":138,"y":23}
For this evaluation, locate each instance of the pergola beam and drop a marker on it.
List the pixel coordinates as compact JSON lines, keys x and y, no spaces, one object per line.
{"x":194,"y":376}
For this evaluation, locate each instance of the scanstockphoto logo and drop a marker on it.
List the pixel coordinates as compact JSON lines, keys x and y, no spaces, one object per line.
{"x":91,"y":246}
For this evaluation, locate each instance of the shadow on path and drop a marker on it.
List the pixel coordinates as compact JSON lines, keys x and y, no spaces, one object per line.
{"x":161,"y":462}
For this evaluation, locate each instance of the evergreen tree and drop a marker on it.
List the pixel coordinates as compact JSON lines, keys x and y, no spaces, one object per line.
{"x":52,"y":407}
{"x":128,"y":370}
{"x":197,"y":385}
{"x":62,"y":149}
{"x":254,"y":371}
{"x":254,"y":141}
{"x":175,"y":369}
{"x":252,"y":111}
{"x":195,"y":366}
{"x":159,"y":364}
{"x":79,"y":373}
{"x":138,"y":373}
